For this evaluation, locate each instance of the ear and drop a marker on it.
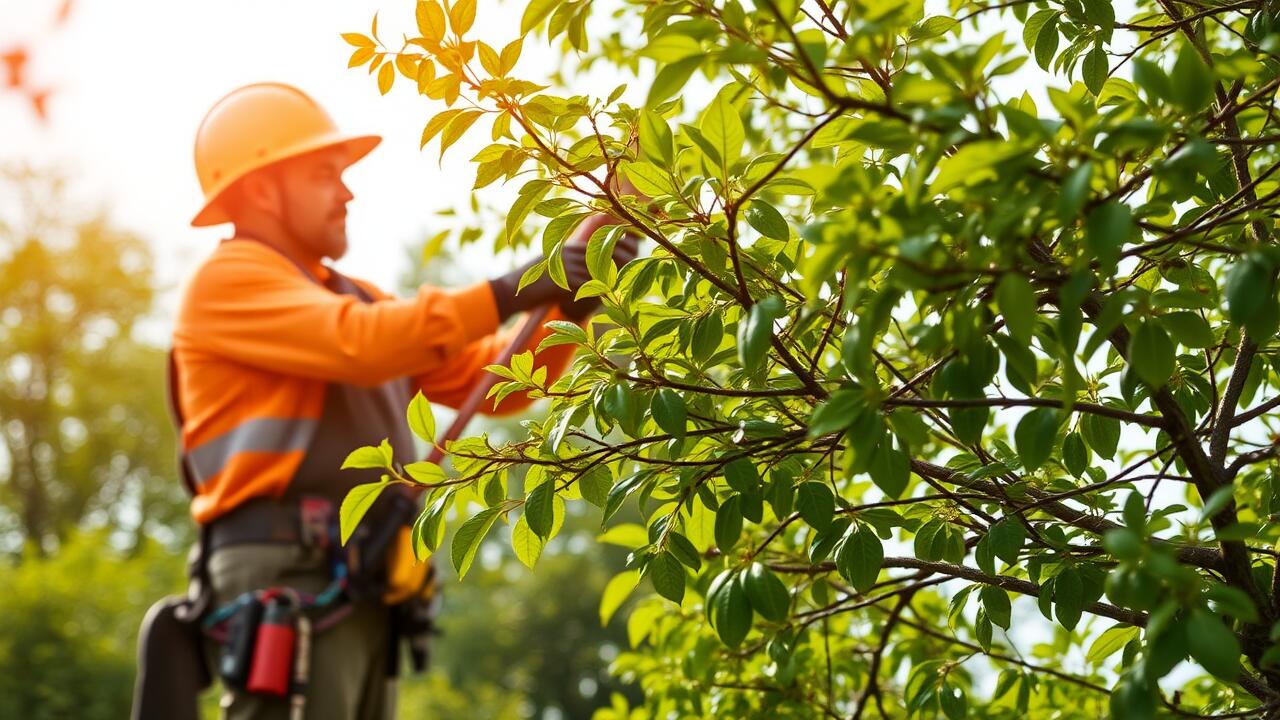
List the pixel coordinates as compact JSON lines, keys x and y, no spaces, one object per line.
{"x":261,"y":192}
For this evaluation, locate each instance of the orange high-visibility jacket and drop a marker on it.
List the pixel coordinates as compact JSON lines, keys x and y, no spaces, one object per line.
{"x":256,"y":341}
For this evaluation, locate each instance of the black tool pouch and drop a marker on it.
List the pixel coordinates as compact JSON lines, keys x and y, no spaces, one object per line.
{"x":236,"y":658}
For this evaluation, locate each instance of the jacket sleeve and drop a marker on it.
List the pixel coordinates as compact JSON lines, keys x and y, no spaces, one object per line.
{"x":450,"y":385}
{"x":254,"y":307}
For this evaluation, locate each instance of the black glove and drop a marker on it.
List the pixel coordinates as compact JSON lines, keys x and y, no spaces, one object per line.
{"x":544,"y":291}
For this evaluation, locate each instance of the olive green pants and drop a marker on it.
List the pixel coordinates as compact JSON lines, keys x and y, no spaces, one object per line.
{"x":348,"y":661}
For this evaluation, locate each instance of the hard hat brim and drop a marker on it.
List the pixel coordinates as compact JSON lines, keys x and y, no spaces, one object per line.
{"x":357,"y":147}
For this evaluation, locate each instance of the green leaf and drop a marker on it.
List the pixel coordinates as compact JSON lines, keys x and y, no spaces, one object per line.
{"x":815,"y":503}
{"x":671,"y":79}
{"x":1106,"y":230}
{"x":1192,"y":82}
{"x":742,"y":476}
{"x":1075,"y":455}
{"x":1110,"y":642}
{"x":767,"y":220}
{"x":1217,"y":501}
{"x":1068,"y":597}
{"x":684,"y":550}
{"x":708,"y":333}
{"x":722,"y":127}
{"x":1035,"y":435}
{"x":756,"y":330}
{"x":421,"y":421}
{"x":860,"y":557}
{"x":923,"y":543}
{"x":1047,"y":43}
{"x":953,"y":701}
{"x":1102,"y":433}
{"x":931,"y":27}
{"x":1151,"y":354}
{"x":1075,"y":191}
{"x":466,"y":541}
{"x":649,"y":179}
{"x":766,"y":593}
{"x":669,"y":412}
{"x":1017,"y":302}
{"x":1095,"y":68}
{"x":1102,"y":14}
{"x":729,"y":523}
{"x":890,"y":470}
{"x":616,"y":592}
{"x":1213,"y":645}
{"x":1007,"y":537}
{"x":731,"y":612}
{"x":1034,"y":24}
{"x":539,"y":508}
{"x":354,"y":506}
{"x":536,"y":12}
{"x":656,"y":141}
{"x":1251,"y":297}
{"x":996,"y":602}
{"x":1133,"y":700}
{"x":667,"y":575}
{"x":1188,"y":328}
{"x":595,"y":485}
{"x":837,"y":412}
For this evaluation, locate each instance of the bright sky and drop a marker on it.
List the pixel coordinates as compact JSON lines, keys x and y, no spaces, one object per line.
{"x":132,"y":81}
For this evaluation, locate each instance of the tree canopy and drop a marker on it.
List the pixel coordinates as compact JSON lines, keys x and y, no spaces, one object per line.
{"x":936,"y":395}
{"x":83,"y":418}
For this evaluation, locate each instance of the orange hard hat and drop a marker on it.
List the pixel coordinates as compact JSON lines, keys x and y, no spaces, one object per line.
{"x":255,"y":126}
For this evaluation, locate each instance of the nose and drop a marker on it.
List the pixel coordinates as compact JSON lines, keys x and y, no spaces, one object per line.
{"x":346,"y":193}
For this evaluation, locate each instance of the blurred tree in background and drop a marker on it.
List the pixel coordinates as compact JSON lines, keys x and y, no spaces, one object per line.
{"x":83,"y":416}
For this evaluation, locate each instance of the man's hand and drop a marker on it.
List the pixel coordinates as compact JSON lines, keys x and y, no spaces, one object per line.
{"x":544,"y":291}
{"x":575,"y":271}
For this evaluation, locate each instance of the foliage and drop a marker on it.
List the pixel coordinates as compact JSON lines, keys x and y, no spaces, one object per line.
{"x":69,"y":626}
{"x":83,"y":416}
{"x":516,"y":642}
{"x":916,"y":354}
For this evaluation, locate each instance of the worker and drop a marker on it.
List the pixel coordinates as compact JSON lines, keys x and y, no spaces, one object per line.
{"x":281,"y":366}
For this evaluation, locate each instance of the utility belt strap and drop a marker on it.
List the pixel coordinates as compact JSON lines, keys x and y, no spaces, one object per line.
{"x":307,"y":521}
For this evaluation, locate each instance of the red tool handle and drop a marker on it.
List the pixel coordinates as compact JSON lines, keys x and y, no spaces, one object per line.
{"x":468,"y":409}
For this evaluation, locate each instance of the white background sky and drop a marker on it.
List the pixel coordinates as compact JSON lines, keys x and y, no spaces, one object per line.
{"x":133,"y":78}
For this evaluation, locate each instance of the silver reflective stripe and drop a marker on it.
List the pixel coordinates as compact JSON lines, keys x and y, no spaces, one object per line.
{"x":257,"y":435}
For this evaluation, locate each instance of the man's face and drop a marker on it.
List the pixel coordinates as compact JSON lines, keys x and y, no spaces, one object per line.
{"x":314,"y":201}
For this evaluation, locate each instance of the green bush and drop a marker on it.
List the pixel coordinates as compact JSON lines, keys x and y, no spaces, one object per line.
{"x":69,"y":627}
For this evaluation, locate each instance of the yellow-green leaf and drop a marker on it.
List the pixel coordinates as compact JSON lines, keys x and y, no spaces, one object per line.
{"x":527,"y":545}
{"x":421,"y":421}
{"x":354,"y":506}
{"x":457,"y":127}
{"x":722,"y":127}
{"x":466,"y":541}
{"x":426,"y":473}
{"x":367,"y":457}
{"x":616,"y":592}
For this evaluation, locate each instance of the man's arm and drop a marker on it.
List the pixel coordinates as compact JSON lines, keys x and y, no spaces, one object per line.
{"x":252,"y":306}
{"x":450,"y":385}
